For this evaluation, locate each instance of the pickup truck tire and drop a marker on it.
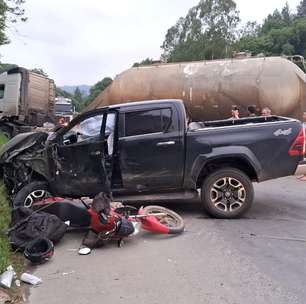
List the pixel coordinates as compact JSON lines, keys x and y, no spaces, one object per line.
{"x":31,"y":193}
{"x":227,"y":193}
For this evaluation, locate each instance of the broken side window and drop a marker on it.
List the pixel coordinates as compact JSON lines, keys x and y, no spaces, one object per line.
{"x":87,"y":130}
{"x":91,"y":126}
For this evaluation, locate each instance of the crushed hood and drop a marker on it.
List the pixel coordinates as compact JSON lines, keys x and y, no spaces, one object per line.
{"x":20,"y":143}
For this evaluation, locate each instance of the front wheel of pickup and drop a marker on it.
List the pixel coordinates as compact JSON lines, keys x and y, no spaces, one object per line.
{"x":227,"y":193}
{"x":31,"y":194}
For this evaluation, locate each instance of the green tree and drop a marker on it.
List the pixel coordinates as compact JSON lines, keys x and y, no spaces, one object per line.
{"x":74,"y":101}
{"x":61,"y":92}
{"x":299,"y":36}
{"x":96,"y":89}
{"x":11,"y":11}
{"x":207,"y":32}
{"x":40,"y":72}
{"x":251,"y":29}
{"x":147,"y":61}
{"x":301,"y":9}
{"x":273,"y":21}
{"x":287,"y":17}
{"x":78,"y":99}
{"x":282,"y":33}
{"x":78,"y":94}
{"x":6,"y":66}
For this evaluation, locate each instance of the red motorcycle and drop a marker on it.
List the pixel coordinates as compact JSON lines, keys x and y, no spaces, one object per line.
{"x":119,"y":222}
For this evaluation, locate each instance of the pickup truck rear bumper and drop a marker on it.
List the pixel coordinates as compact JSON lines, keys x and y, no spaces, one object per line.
{"x":301,"y":169}
{"x":303,"y":162}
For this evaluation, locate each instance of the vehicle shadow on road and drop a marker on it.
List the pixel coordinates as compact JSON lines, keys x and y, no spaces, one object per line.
{"x":264,"y":208}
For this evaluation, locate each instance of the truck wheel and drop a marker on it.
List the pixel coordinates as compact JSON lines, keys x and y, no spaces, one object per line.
{"x":31,"y":193}
{"x":227,"y":193}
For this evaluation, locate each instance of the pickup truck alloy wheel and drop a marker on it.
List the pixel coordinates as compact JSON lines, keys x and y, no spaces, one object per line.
{"x":227,"y":193}
{"x":31,"y":193}
{"x":34,"y":196}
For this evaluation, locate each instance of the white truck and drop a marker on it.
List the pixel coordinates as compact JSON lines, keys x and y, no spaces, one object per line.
{"x":26,"y":100}
{"x":64,"y":110}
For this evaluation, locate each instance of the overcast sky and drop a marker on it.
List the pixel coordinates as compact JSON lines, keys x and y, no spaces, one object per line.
{"x":80,"y":42}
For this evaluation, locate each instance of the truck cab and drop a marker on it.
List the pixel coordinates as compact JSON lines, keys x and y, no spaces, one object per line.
{"x":64,"y":110}
{"x":26,"y":100}
{"x":10,"y":84}
{"x":140,"y":146}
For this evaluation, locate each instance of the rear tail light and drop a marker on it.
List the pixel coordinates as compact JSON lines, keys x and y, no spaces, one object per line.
{"x":298,"y":147}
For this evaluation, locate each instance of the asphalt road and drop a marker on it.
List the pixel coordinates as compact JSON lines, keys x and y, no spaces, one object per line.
{"x":258,"y":259}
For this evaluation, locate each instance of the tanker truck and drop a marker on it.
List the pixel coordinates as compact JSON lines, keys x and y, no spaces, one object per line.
{"x":26,"y":100}
{"x":210,"y":88}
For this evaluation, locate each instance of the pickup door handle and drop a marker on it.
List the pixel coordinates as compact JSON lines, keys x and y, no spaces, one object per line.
{"x":166,"y":143}
{"x":95,"y":153}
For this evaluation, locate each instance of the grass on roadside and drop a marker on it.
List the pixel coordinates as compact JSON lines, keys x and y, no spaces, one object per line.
{"x":5,"y":218}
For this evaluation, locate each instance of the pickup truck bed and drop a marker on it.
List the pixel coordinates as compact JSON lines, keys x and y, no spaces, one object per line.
{"x":255,"y":140}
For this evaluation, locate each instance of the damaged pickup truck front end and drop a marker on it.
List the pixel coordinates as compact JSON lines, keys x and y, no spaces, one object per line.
{"x":67,"y":162}
{"x":24,"y":159}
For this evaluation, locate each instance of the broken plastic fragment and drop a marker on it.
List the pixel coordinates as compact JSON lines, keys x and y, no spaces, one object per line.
{"x":30,"y":279}
{"x":66,"y":273}
{"x":6,"y":278}
{"x":10,"y":268}
{"x":84,"y":251}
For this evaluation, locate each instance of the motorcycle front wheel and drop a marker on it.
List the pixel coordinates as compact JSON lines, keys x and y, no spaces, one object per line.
{"x":169,"y":218}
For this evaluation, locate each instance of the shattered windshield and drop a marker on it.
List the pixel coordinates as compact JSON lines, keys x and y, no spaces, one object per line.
{"x":90,"y":126}
{"x":90,"y":129}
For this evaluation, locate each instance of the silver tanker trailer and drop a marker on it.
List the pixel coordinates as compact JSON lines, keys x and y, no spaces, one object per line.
{"x":210,"y":88}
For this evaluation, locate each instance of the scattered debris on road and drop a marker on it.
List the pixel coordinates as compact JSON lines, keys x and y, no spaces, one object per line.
{"x":7,"y":277}
{"x":30,"y":279}
{"x":67,"y":273}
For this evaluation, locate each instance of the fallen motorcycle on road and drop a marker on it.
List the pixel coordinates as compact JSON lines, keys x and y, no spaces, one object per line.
{"x":106,"y":221}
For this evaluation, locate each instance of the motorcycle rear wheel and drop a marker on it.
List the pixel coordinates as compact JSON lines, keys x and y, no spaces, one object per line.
{"x":171,"y":219}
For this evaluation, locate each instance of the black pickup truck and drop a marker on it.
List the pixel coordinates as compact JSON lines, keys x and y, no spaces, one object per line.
{"x":147,"y":151}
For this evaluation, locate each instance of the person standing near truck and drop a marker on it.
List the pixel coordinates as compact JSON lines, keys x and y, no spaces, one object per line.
{"x":234,"y":112}
{"x":266,"y":112}
{"x":252,"y":111}
{"x":61,"y":121}
{"x":303,"y":177}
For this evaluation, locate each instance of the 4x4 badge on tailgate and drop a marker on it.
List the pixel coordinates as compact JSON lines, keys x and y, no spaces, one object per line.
{"x":283,"y":132}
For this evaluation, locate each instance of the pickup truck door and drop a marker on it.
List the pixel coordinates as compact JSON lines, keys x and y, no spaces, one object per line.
{"x":151,"y":149}
{"x":79,"y":156}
